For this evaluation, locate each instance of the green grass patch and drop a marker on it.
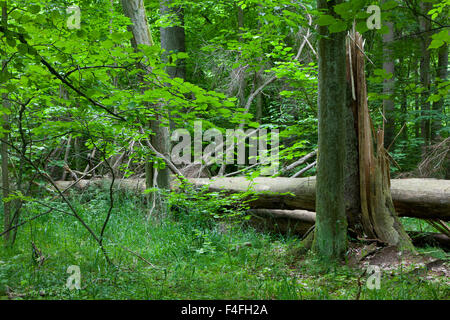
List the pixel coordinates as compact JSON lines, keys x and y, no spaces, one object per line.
{"x":191,"y":258}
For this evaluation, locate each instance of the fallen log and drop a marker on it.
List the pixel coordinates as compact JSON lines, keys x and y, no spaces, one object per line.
{"x":418,"y":198}
{"x":424,"y":239}
{"x":298,"y":222}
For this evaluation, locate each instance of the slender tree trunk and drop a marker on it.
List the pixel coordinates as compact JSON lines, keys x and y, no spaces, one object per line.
{"x":259,"y":99}
{"x":241,"y":73}
{"x":425,"y":26}
{"x":438,"y":106}
{"x":173,"y":38}
{"x":417,"y":101}
{"x":4,"y":144}
{"x":135,"y":10}
{"x":404,"y":103}
{"x":330,"y":238}
{"x":404,"y":110}
{"x":388,"y":85}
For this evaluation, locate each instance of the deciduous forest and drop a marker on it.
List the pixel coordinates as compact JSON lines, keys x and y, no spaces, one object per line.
{"x":227,"y":149}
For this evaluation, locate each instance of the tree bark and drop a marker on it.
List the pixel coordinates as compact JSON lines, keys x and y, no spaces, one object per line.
{"x":438,"y":106}
{"x":425,"y":27}
{"x":388,"y":85}
{"x":330,"y":237}
{"x":4,"y":144}
{"x":419,"y":198}
{"x":135,"y":10}
{"x":239,"y":71}
{"x":173,"y":38}
{"x":352,"y":195}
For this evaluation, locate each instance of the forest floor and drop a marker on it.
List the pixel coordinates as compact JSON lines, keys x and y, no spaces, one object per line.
{"x":188,"y":256}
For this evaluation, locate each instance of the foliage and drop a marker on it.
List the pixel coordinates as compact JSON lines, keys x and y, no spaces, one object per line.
{"x":222,"y":261}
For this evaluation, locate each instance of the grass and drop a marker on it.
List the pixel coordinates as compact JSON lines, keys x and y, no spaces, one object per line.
{"x":191,"y":258}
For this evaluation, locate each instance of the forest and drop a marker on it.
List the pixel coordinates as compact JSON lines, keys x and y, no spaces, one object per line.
{"x":224,"y":150}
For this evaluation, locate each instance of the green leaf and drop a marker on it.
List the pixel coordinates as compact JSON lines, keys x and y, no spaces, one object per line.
{"x":389,"y":5}
{"x":34,"y":9}
{"x":325,"y":20}
{"x":10,"y":87}
{"x":116,"y":36}
{"x":436,"y":43}
{"x":338,"y":26}
{"x":11,"y":42}
{"x":343,"y":9}
{"x":384,"y":30}
{"x":361,"y":27}
{"x":22,"y":48}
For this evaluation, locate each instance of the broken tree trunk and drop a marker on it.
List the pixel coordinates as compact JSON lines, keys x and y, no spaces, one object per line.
{"x":378,"y":215}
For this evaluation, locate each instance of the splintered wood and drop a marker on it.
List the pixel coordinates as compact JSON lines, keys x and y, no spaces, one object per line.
{"x":379,"y":217}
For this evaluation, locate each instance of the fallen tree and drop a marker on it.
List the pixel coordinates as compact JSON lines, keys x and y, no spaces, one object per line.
{"x":419,"y":198}
{"x":299,"y":222}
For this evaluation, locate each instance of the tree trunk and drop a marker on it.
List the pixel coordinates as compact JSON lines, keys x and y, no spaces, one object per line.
{"x":378,"y":216}
{"x":330,"y":238}
{"x":425,"y":27}
{"x":388,"y":85}
{"x":135,"y":10}
{"x":438,"y":106}
{"x":417,"y":198}
{"x":417,"y":101}
{"x":259,"y":97}
{"x":173,"y":38}
{"x":240,"y":72}
{"x":4,"y":144}
{"x":351,"y":170}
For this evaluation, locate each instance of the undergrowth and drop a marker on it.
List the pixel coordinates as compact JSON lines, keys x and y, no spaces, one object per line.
{"x":198,"y":252}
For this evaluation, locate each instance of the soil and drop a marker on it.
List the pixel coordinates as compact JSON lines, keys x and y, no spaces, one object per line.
{"x":391,"y":261}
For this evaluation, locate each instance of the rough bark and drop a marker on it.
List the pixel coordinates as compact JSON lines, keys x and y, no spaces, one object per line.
{"x":135,"y":10}
{"x":378,"y":216}
{"x":351,"y":171}
{"x":330,"y":237}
